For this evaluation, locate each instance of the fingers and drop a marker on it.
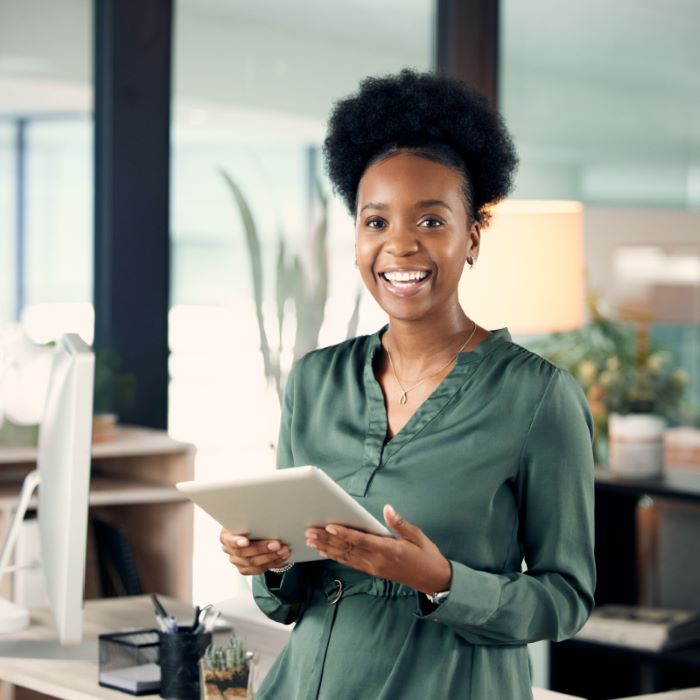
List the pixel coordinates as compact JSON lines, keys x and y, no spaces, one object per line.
{"x":243,"y":546}
{"x":399,"y":524}
{"x":259,"y":564}
{"x":253,"y":556}
{"x":346,"y":542}
{"x":337,"y":534}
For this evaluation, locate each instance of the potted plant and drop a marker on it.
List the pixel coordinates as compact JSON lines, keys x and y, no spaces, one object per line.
{"x":227,"y":671}
{"x":113,"y":390}
{"x":639,"y":397}
{"x":632,"y":387}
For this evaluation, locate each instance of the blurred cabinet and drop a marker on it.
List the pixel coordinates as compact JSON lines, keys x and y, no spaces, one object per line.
{"x":647,"y":553}
{"x":131,"y":488}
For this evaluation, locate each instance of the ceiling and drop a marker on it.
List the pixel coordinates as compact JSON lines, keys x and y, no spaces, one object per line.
{"x":595,"y":93}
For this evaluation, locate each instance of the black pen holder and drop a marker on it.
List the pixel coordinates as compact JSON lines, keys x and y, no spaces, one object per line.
{"x":179,"y":657}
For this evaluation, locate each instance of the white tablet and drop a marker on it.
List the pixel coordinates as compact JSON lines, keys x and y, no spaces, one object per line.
{"x":281,"y":505}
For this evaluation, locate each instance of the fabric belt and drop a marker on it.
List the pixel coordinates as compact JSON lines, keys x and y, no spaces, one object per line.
{"x":339,"y":582}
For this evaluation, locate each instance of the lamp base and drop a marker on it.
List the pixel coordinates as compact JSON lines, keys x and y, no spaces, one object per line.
{"x":13,"y":618}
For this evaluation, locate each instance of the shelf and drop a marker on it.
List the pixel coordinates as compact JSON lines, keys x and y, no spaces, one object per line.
{"x":688,"y":657}
{"x":105,"y":491}
{"x":131,"y":441}
{"x":681,"y":483}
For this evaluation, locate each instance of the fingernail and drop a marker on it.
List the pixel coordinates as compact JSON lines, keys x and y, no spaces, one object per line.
{"x":391,"y":510}
{"x":331,"y":529}
{"x":273,"y":546}
{"x":311,"y":543}
{"x":311,"y":535}
{"x":241,"y":541}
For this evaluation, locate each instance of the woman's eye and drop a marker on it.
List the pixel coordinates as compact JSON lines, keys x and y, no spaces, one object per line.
{"x":431,"y":222}
{"x":375,"y":223}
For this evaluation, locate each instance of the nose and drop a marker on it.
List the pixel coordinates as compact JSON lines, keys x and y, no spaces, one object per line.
{"x":401,"y":241}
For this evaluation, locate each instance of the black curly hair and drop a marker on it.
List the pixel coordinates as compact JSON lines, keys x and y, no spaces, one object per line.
{"x":432,"y":116}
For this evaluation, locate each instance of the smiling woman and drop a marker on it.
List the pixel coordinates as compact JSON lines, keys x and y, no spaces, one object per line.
{"x":476,"y":451}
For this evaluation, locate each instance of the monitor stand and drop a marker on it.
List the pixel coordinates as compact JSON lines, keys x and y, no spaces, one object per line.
{"x":14,"y":618}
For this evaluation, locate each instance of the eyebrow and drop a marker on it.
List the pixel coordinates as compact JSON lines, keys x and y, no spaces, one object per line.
{"x":418,"y":205}
{"x":373,"y":205}
{"x":432,"y":203}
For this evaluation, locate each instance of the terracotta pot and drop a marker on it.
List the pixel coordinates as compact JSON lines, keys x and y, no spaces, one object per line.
{"x":104,"y":427}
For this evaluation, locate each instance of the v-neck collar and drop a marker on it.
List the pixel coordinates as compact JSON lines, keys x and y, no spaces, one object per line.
{"x":376,"y":453}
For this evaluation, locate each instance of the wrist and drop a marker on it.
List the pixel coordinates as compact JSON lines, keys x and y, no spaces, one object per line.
{"x":442,"y":579}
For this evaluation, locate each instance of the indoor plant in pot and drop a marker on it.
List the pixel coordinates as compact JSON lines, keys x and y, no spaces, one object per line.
{"x":113,"y":389}
{"x":227,"y":671}
{"x":639,"y":396}
{"x":623,"y":375}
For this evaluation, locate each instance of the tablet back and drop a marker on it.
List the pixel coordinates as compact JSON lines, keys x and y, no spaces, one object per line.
{"x":281,"y":505}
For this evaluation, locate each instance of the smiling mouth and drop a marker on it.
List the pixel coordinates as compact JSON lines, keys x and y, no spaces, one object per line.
{"x":405,"y":280}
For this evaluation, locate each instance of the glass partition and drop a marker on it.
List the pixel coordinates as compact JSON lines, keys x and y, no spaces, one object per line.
{"x":251,"y":206}
{"x":8,"y":241}
{"x":603,"y":100}
{"x":46,"y":167}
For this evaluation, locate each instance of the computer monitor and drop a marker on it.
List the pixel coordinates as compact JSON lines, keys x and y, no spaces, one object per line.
{"x":63,"y":479}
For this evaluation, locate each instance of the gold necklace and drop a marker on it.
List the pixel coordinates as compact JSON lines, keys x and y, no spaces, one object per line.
{"x":404,"y":392}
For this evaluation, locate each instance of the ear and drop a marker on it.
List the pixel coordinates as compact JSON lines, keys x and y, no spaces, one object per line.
{"x":474,"y":239}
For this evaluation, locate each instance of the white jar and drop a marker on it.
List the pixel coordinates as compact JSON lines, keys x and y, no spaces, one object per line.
{"x":636,"y":444}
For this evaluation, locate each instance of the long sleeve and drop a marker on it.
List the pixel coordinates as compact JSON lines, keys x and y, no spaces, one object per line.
{"x":279,"y":597}
{"x":553,"y":598}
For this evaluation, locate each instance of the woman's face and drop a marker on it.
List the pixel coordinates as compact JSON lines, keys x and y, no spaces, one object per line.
{"x":412,"y":235}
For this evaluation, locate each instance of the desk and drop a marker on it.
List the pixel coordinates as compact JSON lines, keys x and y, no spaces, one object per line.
{"x":31,"y":659}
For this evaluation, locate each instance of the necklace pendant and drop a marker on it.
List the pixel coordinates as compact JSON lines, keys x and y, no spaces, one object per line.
{"x":403,"y":398}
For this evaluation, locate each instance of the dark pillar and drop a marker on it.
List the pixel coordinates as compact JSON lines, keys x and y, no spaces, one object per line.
{"x":466,"y":45}
{"x":132,"y":175}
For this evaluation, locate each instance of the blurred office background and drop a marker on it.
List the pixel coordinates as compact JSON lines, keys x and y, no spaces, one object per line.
{"x":602,"y":100}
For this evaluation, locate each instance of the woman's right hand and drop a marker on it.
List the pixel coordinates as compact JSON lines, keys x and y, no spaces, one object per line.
{"x":253,"y":556}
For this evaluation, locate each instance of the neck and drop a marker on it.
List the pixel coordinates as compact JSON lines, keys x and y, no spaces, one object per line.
{"x":417,"y":346}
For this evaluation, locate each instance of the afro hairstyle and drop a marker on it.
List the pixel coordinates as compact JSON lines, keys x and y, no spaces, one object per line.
{"x":424,"y":112}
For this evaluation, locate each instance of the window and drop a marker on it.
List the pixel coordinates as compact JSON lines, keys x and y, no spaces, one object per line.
{"x":253,"y":91}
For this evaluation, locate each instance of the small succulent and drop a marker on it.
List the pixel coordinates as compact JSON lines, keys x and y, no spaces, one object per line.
{"x":231,"y":657}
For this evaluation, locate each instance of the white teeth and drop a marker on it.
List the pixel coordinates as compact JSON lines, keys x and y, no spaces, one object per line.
{"x":408,"y":276}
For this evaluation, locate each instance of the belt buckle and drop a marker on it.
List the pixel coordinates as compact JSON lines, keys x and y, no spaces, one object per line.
{"x":333,"y":598}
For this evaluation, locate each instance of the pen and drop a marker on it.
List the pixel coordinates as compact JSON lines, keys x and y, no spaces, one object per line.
{"x":172,"y":625}
{"x":162,"y":619}
{"x":162,"y":624}
{"x":160,"y":610}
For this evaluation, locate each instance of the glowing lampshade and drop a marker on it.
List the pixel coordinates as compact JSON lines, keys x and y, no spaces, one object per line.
{"x":530,"y":272}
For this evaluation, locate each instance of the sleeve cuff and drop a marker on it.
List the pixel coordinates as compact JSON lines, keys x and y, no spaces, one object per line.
{"x":474,"y":597}
{"x":283,"y":587}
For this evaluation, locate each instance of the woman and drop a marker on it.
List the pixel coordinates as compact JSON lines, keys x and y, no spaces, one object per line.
{"x":475,"y":451}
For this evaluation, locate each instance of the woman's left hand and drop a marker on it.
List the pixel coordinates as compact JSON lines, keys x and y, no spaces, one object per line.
{"x":412,"y":559}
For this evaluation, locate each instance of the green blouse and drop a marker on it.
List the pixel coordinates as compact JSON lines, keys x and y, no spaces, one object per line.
{"x":496,"y":466}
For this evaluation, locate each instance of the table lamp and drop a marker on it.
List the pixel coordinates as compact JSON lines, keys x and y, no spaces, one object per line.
{"x":530,"y":274}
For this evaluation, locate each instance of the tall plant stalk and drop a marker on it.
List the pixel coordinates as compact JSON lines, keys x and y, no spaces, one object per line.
{"x":307,"y":293}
